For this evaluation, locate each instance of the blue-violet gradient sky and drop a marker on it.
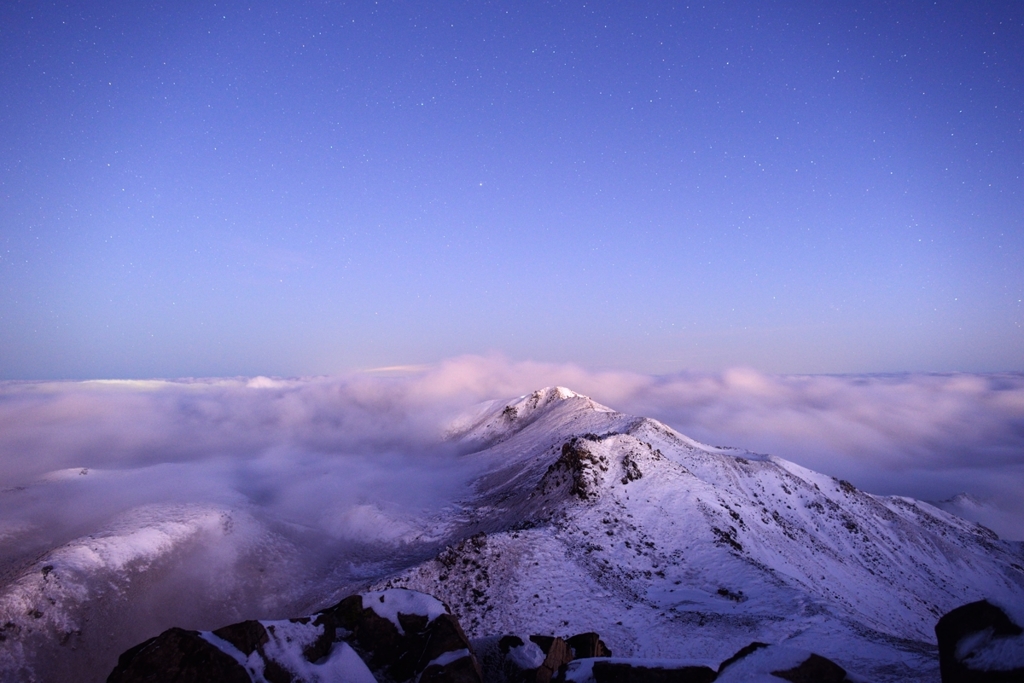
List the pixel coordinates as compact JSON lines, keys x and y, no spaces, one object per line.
{"x":294,"y":188}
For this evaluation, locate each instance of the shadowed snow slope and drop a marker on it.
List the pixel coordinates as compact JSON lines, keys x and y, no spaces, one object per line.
{"x":588,"y":519}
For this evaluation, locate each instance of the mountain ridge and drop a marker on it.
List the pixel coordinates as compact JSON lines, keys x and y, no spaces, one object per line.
{"x":622,"y":516}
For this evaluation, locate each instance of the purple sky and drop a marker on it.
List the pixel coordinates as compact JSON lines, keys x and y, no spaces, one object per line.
{"x":189,"y":189}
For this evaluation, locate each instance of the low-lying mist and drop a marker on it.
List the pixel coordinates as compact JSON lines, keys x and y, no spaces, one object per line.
{"x":330,"y":465}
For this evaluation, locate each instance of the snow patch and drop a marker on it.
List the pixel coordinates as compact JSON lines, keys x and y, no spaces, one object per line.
{"x":446,"y":658}
{"x":527,"y":656}
{"x":580,"y":671}
{"x":389,"y":603}
{"x":343,"y":664}
{"x":758,"y":665}
{"x":285,"y":645}
{"x":988,"y":652}
{"x":286,"y":641}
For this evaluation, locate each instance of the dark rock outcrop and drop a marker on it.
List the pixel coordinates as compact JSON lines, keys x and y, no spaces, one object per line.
{"x":967,"y":637}
{"x":247,"y":636}
{"x":428,"y":647}
{"x":578,"y":467}
{"x":814,"y":669}
{"x":741,"y":653}
{"x":587,"y":645}
{"x":535,"y":659}
{"x":401,"y":636}
{"x":417,"y":649}
{"x":180,"y":656}
{"x":556,"y":655}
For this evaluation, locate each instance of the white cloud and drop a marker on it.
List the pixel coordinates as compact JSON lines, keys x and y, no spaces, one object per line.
{"x":345,"y":455}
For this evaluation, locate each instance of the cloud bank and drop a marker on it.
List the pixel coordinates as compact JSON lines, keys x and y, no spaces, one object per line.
{"x":361,"y":457}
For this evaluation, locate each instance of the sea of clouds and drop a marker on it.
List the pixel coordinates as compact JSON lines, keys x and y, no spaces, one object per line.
{"x":261,"y":497}
{"x":361,"y":459}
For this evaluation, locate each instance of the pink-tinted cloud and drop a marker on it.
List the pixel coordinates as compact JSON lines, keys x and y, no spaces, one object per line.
{"x":373,"y":439}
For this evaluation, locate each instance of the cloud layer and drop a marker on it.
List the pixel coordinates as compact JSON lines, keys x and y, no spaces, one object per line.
{"x":360,"y":458}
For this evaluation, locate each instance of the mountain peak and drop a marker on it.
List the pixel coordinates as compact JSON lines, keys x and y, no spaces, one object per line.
{"x":619,"y":524}
{"x":543,"y":398}
{"x":496,"y":421}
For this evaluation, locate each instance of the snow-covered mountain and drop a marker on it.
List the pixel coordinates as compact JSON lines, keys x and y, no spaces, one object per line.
{"x":588,"y":519}
{"x":580,"y":519}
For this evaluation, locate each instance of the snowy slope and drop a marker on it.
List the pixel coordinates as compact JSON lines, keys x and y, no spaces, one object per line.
{"x":588,"y":519}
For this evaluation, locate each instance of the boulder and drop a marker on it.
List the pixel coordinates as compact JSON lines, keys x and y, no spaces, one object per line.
{"x":587,"y":645}
{"x":556,"y":655}
{"x":404,"y":634}
{"x":508,"y":658}
{"x":177,"y":656}
{"x":814,"y":669}
{"x":534,"y":659}
{"x":979,"y":643}
{"x":396,"y":634}
{"x":247,"y":636}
